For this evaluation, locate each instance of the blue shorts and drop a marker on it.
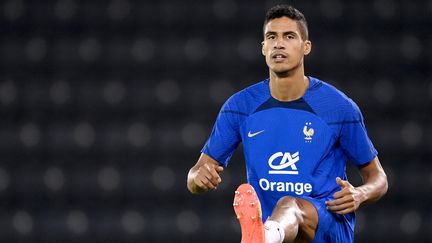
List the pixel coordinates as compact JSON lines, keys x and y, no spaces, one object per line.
{"x":332,"y":228}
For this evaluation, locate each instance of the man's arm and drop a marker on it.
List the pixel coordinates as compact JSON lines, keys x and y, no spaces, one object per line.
{"x":204,"y":175}
{"x":374,"y":181}
{"x":349,"y":198}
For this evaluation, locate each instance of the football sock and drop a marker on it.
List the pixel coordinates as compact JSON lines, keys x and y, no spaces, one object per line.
{"x":274,"y":233}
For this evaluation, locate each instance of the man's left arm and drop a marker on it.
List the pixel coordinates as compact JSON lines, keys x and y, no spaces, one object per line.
{"x":349,"y":198}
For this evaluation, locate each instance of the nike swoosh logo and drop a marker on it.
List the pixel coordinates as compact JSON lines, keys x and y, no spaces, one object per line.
{"x":254,"y":134}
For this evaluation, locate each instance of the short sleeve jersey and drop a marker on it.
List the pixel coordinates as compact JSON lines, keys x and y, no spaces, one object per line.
{"x":294,"y":148}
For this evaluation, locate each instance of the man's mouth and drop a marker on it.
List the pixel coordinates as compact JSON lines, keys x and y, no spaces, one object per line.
{"x":278,"y":57}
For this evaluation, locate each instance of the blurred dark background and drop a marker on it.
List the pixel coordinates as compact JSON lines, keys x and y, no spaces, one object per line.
{"x":105,"y":105}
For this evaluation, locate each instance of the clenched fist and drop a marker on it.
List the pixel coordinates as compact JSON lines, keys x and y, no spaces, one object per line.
{"x":204,"y":175}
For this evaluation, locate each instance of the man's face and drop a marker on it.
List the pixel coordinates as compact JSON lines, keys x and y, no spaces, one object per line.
{"x":283,"y":46}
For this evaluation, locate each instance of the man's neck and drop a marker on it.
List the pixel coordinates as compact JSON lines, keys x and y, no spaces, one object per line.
{"x":288,"y":87}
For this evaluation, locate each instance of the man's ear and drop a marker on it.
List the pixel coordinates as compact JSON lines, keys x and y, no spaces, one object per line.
{"x":307,"y":47}
{"x":262,"y":48}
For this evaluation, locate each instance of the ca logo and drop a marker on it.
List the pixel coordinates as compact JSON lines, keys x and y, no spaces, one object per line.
{"x":287,"y":160}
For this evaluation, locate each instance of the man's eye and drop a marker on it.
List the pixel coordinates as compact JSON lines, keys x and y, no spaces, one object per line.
{"x":290,"y":37}
{"x":270,"y":37}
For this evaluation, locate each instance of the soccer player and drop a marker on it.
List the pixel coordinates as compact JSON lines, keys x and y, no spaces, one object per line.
{"x":298,"y":133}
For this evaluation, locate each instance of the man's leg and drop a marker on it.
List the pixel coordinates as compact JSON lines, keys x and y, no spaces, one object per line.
{"x":297,"y":217}
{"x":292,"y":220}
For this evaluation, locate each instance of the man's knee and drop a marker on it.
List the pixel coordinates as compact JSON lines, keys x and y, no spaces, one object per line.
{"x":304,"y":211}
{"x":288,"y":201}
{"x":288,"y":205}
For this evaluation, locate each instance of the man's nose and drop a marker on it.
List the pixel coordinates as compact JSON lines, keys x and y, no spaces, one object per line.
{"x":278,"y":44}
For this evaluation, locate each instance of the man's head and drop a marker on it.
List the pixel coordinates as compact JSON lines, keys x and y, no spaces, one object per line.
{"x":285,"y":39}
{"x":288,"y":11}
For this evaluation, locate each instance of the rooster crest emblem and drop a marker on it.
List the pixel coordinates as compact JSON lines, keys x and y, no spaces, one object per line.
{"x":308,"y":132}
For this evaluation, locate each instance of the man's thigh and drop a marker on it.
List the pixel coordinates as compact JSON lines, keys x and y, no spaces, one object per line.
{"x":309,"y":225}
{"x":334,"y":228}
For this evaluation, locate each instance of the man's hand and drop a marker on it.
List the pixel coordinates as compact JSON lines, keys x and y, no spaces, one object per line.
{"x":347,"y":200}
{"x":204,"y":175}
{"x":207,"y":176}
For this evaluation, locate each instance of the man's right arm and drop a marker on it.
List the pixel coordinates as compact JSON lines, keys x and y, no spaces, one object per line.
{"x":204,"y":175}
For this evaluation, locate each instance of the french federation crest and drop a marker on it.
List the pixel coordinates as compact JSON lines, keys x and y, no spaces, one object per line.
{"x":308,"y":132}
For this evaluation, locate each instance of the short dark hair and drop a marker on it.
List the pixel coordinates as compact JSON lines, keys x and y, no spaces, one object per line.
{"x":285,"y":10}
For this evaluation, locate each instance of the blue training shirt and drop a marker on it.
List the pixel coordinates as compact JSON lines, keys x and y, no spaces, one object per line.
{"x":295,"y":148}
